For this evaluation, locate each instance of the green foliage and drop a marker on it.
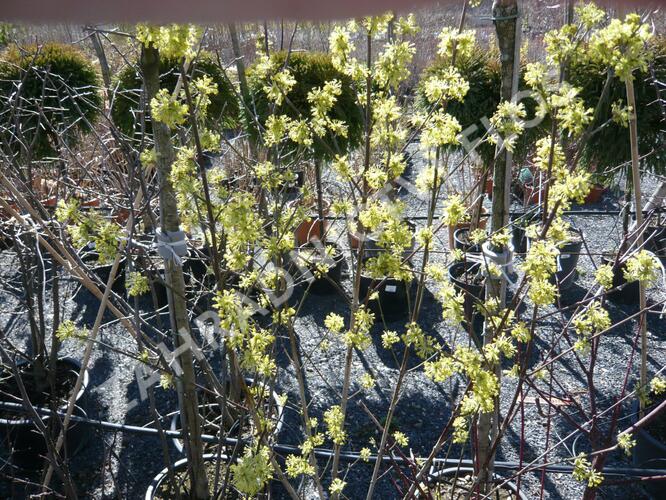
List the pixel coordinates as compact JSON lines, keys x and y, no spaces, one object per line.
{"x":5,"y":33}
{"x":56,"y":79}
{"x":480,"y":66}
{"x":311,"y":70}
{"x":127,"y":107}
{"x":610,"y":147}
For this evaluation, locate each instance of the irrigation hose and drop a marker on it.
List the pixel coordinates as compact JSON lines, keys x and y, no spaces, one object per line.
{"x":346,"y":456}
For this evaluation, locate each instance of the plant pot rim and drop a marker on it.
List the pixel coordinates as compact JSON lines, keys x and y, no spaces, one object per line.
{"x":79,"y":395}
{"x":437,"y":475}
{"x":654,"y":442}
{"x":279,"y":424}
{"x":337,"y":256}
{"x":161,"y":475}
{"x":312,"y":206}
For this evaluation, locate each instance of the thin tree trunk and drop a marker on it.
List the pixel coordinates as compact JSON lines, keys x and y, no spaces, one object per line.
{"x":505,"y":13}
{"x":636,"y":181}
{"x":101,"y":56}
{"x":170,"y":222}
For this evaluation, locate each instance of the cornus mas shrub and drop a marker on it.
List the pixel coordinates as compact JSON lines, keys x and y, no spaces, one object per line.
{"x":220,"y":218}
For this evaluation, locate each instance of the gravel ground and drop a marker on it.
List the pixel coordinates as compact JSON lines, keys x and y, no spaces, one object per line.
{"x":424,"y":407}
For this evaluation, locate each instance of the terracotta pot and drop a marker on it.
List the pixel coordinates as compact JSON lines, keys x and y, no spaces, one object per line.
{"x":531,"y":194}
{"x":312,"y":227}
{"x":50,"y":202}
{"x":121,"y":215}
{"x":488,"y":188}
{"x":483,"y":221}
{"x":594,"y":196}
{"x":91,"y":203}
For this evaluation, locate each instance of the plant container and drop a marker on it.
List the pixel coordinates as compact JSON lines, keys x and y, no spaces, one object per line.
{"x":211,"y":415}
{"x":567,"y":260}
{"x":595,"y":194}
{"x":393,"y":295}
{"x":457,"y":475}
{"x":154,"y":491}
{"x":312,"y":227}
{"x":461,"y":241}
{"x":630,"y":292}
{"x":650,"y":451}
{"x":466,"y":277}
{"x":655,"y":240}
{"x":371,"y":247}
{"x":311,"y":255}
{"x":25,"y":442}
{"x":103,"y":271}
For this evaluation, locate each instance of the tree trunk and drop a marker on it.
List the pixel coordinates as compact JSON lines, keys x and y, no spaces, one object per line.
{"x":505,"y":13}
{"x":636,"y":181}
{"x":170,"y":222}
{"x":101,"y":56}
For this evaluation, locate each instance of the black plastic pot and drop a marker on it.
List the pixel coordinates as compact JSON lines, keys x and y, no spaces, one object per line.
{"x":6,"y":240}
{"x":649,"y":453}
{"x":181,"y":466}
{"x":371,"y":247}
{"x":330,"y":282}
{"x":519,"y":224}
{"x":655,"y":240}
{"x":461,"y":241}
{"x":445,"y":474}
{"x":157,"y":283}
{"x":195,"y":266}
{"x":103,"y":271}
{"x":392,"y":296}
{"x":459,"y":273}
{"x":27,"y":445}
{"x":211,"y":411}
{"x":629,"y":293}
{"x":568,"y":260}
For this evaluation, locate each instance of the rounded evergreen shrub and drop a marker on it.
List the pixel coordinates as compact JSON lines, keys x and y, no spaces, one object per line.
{"x":481,"y":68}
{"x":50,"y":90}
{"x":610,"y":146}
{"x":127,"y":107}
{"x":312,"y":70}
